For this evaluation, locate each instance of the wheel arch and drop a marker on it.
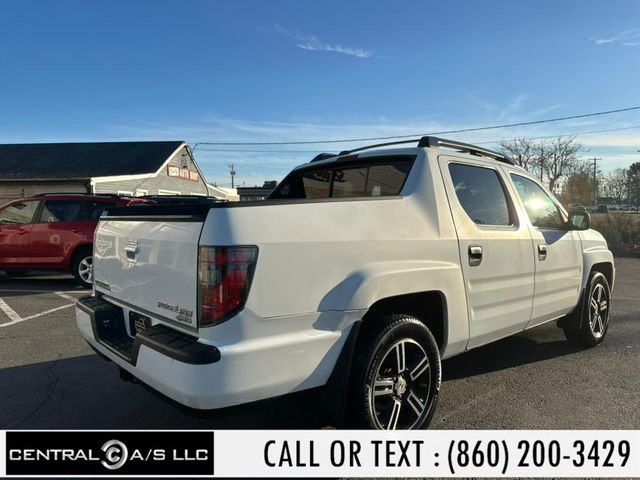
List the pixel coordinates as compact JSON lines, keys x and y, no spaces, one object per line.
{"x":606,"y":268}
{"x":601,"y":260}
{"x":429,"y":307}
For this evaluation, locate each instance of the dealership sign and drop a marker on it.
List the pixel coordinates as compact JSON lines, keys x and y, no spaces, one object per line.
{"x":185,"y":174}
{"x":323,"y":453}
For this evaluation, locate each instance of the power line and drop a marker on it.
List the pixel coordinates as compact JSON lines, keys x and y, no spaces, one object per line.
{"x":444,"y":132}
{"x":486,"y":142}
{"x":577,"y":134}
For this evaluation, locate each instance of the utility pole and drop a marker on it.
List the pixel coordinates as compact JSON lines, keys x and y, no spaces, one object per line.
{"x":628,"y":190}
{"x":595,"y":181}
{"x":232,"y":172}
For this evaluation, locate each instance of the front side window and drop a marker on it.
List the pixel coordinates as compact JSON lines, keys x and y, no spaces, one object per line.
{"x":541,"y":209}
{"x":481,"y":194}
{"x":18,"y":213}
{"x":62,"y":211}
{"x":384,"y":178}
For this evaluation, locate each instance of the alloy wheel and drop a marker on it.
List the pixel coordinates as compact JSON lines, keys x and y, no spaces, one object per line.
{"x":399,"y":394}
{"x":85,"y":269}
{"x":599,"y":310}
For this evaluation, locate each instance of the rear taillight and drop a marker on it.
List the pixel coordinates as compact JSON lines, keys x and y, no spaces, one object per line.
{"x":224,"y":278}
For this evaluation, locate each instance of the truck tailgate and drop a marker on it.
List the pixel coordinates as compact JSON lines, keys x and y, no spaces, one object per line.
{"x":150,"y":265}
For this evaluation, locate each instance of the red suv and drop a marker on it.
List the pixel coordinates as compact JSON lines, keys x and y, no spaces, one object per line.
{"x":53,"y":232}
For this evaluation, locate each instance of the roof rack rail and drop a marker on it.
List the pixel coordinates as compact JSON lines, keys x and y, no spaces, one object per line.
{"x":323,"y":156}
{"x":386,"y":144}
{"x":436,"y":142}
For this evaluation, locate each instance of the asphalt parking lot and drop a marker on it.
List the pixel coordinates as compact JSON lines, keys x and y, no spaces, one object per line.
{"x":49,"y":378}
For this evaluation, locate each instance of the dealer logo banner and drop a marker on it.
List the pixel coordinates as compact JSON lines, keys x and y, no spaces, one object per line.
{"x":109,"y":453}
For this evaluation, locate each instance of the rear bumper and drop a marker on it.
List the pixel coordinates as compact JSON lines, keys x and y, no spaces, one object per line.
{"x":243,"y":370}
{"x":163,"y":359}
{"x":109,"y":329}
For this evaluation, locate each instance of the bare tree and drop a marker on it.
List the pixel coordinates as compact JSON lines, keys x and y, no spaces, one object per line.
{"x":559,"y":158}
{"x":550,"y":160}
{"x":522,"y":150}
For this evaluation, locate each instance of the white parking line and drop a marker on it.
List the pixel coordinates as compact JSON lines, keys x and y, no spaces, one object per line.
{"x":30,"y":317}
{"x":9,"y":312}
{"x":66,"y":297}
{"x":14,"y":317}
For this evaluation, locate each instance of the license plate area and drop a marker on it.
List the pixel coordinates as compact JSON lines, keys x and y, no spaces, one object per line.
{"x":138,"y":323}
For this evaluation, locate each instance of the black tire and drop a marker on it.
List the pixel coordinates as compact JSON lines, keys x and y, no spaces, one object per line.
{"x":78,"y":266}
{"x":408,"y":399}
{"x":582,"y":328}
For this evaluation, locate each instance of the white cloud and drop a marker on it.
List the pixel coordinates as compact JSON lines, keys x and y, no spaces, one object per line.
{"x":313,"y":43}
{"x":628,"y":38}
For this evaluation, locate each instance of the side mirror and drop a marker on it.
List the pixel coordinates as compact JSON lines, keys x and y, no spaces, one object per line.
{"x":579,"y":219}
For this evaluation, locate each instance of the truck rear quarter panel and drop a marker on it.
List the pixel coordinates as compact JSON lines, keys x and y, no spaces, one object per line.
{"x":343,"y":256}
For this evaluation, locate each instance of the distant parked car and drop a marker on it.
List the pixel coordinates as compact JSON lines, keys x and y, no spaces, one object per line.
{"x":53,"y":232}
{"x":602,"y":209}
{"x":577,"y":206}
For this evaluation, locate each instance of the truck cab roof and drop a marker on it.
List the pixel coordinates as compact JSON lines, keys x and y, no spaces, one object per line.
{"x":474,"y":151}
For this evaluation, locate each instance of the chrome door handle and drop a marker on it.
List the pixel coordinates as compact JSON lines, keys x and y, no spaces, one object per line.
{"x":542,"y":252}
{"x":475,"y":255}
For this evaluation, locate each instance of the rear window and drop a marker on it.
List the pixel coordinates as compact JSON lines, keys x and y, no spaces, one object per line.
{"x":97,"y":208}
{"x":382,"y":177}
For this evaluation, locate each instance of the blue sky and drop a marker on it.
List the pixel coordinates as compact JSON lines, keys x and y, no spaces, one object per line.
{"x":293,"y":70}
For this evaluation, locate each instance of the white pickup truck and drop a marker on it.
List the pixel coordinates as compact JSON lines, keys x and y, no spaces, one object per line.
{"x":361,"y":272}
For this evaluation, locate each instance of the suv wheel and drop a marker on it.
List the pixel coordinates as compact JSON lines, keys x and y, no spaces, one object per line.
{"x":588,"y":326}
{"x":396,"y":377}
{"x":83,"y":267}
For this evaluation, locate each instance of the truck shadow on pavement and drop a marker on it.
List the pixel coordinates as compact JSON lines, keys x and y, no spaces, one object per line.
{"x":509,"y":352}
{"x":86,"y":392}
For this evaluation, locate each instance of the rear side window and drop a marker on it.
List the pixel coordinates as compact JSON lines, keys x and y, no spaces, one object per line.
{"x":18,"y":213}
{"x":62,"y":211}
{"x":384,"y":178}
{"x":481,"y":194}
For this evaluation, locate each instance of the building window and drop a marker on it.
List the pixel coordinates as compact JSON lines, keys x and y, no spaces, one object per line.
{"x":125,"y":193}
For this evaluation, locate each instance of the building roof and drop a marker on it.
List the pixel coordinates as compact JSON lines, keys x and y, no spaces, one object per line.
{"x":82,"y":161}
